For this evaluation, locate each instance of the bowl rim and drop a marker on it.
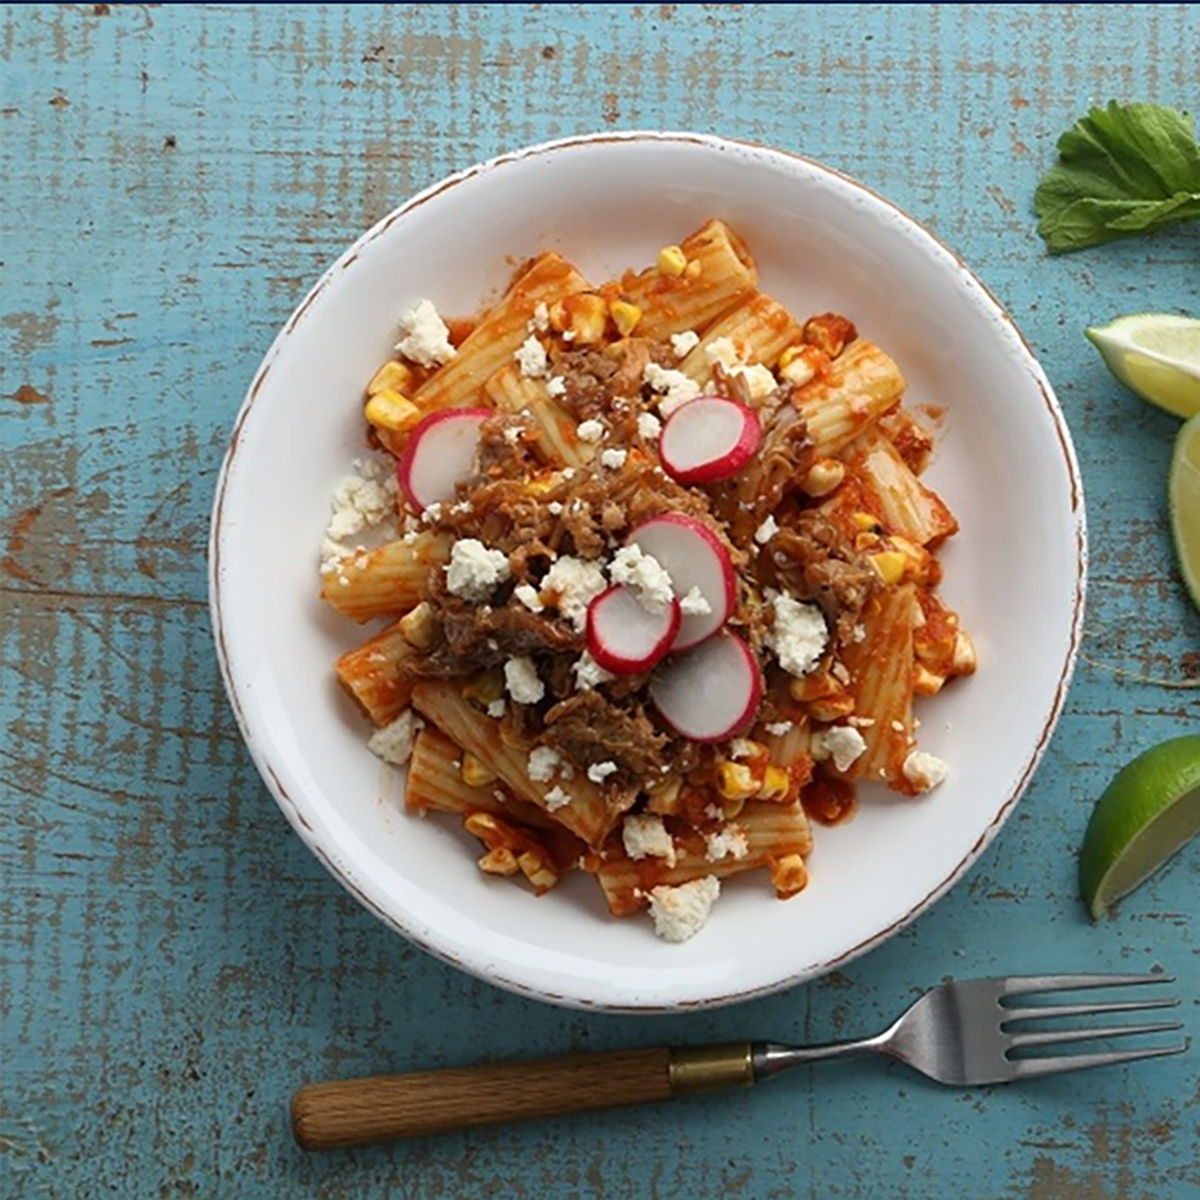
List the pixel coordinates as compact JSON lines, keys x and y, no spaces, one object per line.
{"x":477,"y":964}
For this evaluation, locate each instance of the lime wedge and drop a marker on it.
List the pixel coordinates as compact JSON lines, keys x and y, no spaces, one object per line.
{"x":1183,"y":501}
{"x":1149,"y":811}
{"x":1157,"y":355}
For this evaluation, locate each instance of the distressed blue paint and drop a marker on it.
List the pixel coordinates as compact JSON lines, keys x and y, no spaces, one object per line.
{"x":175,"y":961}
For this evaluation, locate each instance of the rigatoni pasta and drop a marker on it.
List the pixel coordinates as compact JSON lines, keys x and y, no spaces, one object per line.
{"x":659,"y":575}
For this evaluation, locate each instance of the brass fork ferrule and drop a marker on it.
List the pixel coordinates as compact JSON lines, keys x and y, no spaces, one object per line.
{"x":710,"y":1068}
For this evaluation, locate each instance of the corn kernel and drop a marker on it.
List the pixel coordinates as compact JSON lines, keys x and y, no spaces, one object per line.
{"x":736,"y":781}
{"x":867,"y":522}
{"x":672,"y":260}
{"x":693,"y":269}
{"x":482,"y":825}
{"x":500,"y":861}
{"x":964,"y":660}
{"x":390,"y":410}
{"x":789,"y":875}
{"x":474,"y":772}
{"x":587,"y":317}
{"x":392,"y":376}
{"x":799,"y":364}
{"x":925,"y":681}
{"x":824,"y":475}
{"x":775,"y":784}
{"x":538,"y":871}
{"x":731,"y":806}
{"x":625,"y":316}
{"x":832,"y":708}
{"x":419,"y":627}
{"x":812,"y":686}
{"x":890,"y":565}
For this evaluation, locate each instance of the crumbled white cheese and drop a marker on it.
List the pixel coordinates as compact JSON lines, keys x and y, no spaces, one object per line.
{"x":556,"y":798}
{"x":589,"y":673}
{"x":393,"y":743}
{"x":649,"y":426}
{"x":474,"y":571}
{"x":758,"y":380}
{"x":742,"y":748}
{"x":839,"y":672}
{"x":925,"y":771}
{"x":528,"y":596}
{"x":531,"y":358}
{"x":647,"y":837}
{"x":614,"y":459}
{"x":512,"y":435}
{"x":859,"y":634}
{"x":675,"y":387}
{"x":798,"y":635}
{"x":714,"y":812}
{"x":694,"y":604}
{"x":726,"y":843}
{"x":540,"y":321}
{"x":426,"y":338}
{"x":766,"y":531}
{"x":497,"y":708}
{"x":591,"y":430}
{"x":571,"y":585}
{"x":898,"y":727}
{"x":556,"y":386}
{"x":723,"y":351}
{"x":554,"y":508}
{"x":521,"y":679}
{"x":779,"y":728}
{"x":860,"y":722}
{"x":543,"y":763}
{"x":363,"y":501}
{"x":599,"y":772}
{"x":433,"y":512}
{"x":842,"y":743}
{"x":634,"y":568}
{"x":680,"y":912}
{"x":684,"y":343}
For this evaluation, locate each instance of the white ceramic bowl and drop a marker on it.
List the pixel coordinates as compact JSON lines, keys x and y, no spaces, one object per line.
{"x":1016,"y":571}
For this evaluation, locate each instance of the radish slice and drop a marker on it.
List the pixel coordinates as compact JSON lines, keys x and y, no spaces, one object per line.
{"x":439,"y":454}
{"x":624,"y":636}
{"x":709,"y":438}
{"x":694,"y":558}
{"x":710,"y":693}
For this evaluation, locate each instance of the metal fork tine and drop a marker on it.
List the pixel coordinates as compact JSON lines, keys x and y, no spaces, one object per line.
{"x":1081,"y":1010}
{"x":1031,"y":1068}
{"x":1051,"y":1037}
{"x":1016,"y":984}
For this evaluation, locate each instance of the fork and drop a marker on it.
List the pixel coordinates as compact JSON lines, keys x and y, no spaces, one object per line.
{"x":957,"y":1034}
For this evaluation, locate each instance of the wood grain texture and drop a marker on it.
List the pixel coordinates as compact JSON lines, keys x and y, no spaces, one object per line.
{"x":175,"y":962}
{"x":358,"y":1112}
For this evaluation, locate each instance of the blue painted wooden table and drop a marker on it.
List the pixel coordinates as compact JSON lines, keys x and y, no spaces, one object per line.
{"x":175,"y":962}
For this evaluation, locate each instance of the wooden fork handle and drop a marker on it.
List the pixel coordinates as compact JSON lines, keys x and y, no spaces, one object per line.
{"x":384,"y":1108}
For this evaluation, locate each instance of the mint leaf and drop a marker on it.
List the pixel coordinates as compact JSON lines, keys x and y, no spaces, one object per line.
{"x":1122,"y":170}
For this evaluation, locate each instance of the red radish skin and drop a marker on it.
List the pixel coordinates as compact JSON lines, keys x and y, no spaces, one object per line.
{"x":710,"y":693}
{"x":708,"y":439}
{"x":439,"y":454}
{"x":694,"y":557}
{"x":624,"y":636}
